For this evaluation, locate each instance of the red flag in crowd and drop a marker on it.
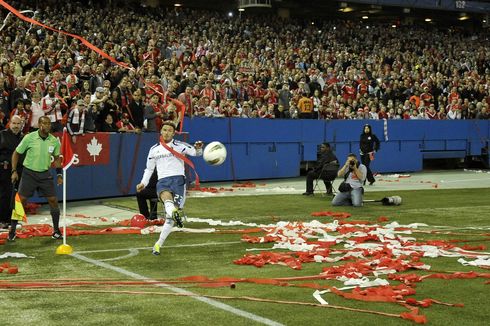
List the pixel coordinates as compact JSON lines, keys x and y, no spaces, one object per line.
{"x":66,"y":151}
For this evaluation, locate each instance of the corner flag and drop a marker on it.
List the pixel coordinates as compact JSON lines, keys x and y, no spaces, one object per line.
{"x":66,"y":151}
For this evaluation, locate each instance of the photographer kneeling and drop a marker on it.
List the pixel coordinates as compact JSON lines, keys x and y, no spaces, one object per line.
{"x":351,"y":190}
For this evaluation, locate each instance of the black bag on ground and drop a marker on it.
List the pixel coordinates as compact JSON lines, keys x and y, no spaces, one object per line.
{"x":345,"y":187}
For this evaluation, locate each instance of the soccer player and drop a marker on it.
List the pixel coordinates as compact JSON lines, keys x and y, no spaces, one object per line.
{"x":168,"y":158}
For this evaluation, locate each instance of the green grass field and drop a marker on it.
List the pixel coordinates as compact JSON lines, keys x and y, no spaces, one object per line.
{"x":212,"y":254}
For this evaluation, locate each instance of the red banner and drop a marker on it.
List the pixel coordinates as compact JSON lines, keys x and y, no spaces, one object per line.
{"x":91,"y":149}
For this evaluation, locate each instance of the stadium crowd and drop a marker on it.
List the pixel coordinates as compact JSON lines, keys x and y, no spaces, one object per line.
{"x":206,"y":64}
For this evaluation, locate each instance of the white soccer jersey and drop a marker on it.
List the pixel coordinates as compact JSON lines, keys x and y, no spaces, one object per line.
{"x":167,"y":164}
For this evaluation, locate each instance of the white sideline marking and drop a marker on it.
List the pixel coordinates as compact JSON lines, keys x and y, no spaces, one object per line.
{"x":176,"y":246}
{"x":192,"y":295}
{"x":132,"y":252}
{"x":464,"y":180}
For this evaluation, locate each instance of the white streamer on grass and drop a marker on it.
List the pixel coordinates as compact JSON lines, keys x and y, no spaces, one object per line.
{"x":14,"y":255}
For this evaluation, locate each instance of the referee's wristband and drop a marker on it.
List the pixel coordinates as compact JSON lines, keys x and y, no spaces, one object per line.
{"x":13,"y":171}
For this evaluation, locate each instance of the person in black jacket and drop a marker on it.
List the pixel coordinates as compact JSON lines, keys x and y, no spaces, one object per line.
{"x":148,"y":193}
{"x":9,"y":139}
{"x":369,"y":144}
{"x":325,"y":168}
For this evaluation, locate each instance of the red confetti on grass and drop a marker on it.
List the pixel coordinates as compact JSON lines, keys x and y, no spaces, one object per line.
{"x":81,"y":216}
{"x":470,"y":247}
{"x":31,"y":208}
{"x":383,"y":219}
{"x":13,"y":270}
{"x":44,"y":230}
{"x":246,"y":184}
{"x":9,"y":268}
{"x":332,"y":214}
{"x":210,"y":189}
{"x":414,"y":316}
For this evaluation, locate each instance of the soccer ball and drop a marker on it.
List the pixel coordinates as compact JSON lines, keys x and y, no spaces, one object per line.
{"x":214,"y":153}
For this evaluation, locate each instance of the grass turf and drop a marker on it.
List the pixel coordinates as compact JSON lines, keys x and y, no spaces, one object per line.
{"x":457,"y":208}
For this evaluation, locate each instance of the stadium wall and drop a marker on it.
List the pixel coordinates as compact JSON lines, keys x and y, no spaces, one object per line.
{"x":260,"y":149}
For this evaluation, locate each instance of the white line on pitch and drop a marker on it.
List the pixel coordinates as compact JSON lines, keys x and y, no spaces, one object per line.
{"x":464,"y":180}
{"x":132,"y":252}
{"x":176,"y":246}
{"x":211,"y":302}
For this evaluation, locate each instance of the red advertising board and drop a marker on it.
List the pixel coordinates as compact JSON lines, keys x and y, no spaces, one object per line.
{"x":90,"y":149}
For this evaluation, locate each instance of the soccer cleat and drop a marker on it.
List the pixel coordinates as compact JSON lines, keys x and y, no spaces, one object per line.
{"x":307,"y":194}
{"x":12,"y":236}
{"x":182,"y":215}
{"x":156,"y":249}
{"x":177,"y":218}
{"x":57,"y":235}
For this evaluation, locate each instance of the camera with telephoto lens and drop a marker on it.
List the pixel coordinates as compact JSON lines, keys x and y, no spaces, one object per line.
{"x":352,"y":163}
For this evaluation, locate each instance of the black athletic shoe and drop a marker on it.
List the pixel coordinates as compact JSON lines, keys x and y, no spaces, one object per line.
{"x":12,"y":236}
{"x":57,"y":235}
{"x":307,"y":194}
{"x":177,"y":218}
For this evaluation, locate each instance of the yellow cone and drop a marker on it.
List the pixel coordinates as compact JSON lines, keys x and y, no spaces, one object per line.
{"x":64,"y":249}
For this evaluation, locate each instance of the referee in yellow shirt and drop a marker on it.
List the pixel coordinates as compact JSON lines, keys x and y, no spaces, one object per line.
{"x":38,"y":147}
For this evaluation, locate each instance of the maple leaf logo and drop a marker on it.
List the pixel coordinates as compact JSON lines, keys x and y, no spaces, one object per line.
{"x":94,"y":147}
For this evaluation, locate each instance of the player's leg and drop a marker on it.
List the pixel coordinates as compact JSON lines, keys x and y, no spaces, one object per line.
{"x":46,"y":189}
{"x":166,"y":196}
{"x":55,"y":216}
{"x":166,"y":230}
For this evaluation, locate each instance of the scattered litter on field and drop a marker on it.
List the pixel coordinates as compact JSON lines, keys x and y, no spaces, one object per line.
{"x":361,"y":253}
{"x":14,"y":255}
{"x":8,"y":268}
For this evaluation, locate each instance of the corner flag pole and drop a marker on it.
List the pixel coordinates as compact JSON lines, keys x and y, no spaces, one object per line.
{"x":64,"y":206}
{"x":68,"y":160}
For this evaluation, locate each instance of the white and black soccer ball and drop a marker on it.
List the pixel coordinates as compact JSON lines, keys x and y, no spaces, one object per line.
{"x":214,"y":153}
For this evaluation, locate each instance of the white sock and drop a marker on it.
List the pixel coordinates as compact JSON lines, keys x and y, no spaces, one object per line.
{"x":169,"y":207}
{"x":166,"y":229}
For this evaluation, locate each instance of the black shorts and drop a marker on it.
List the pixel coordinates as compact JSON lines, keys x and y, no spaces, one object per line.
{"x":32,"y":181}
